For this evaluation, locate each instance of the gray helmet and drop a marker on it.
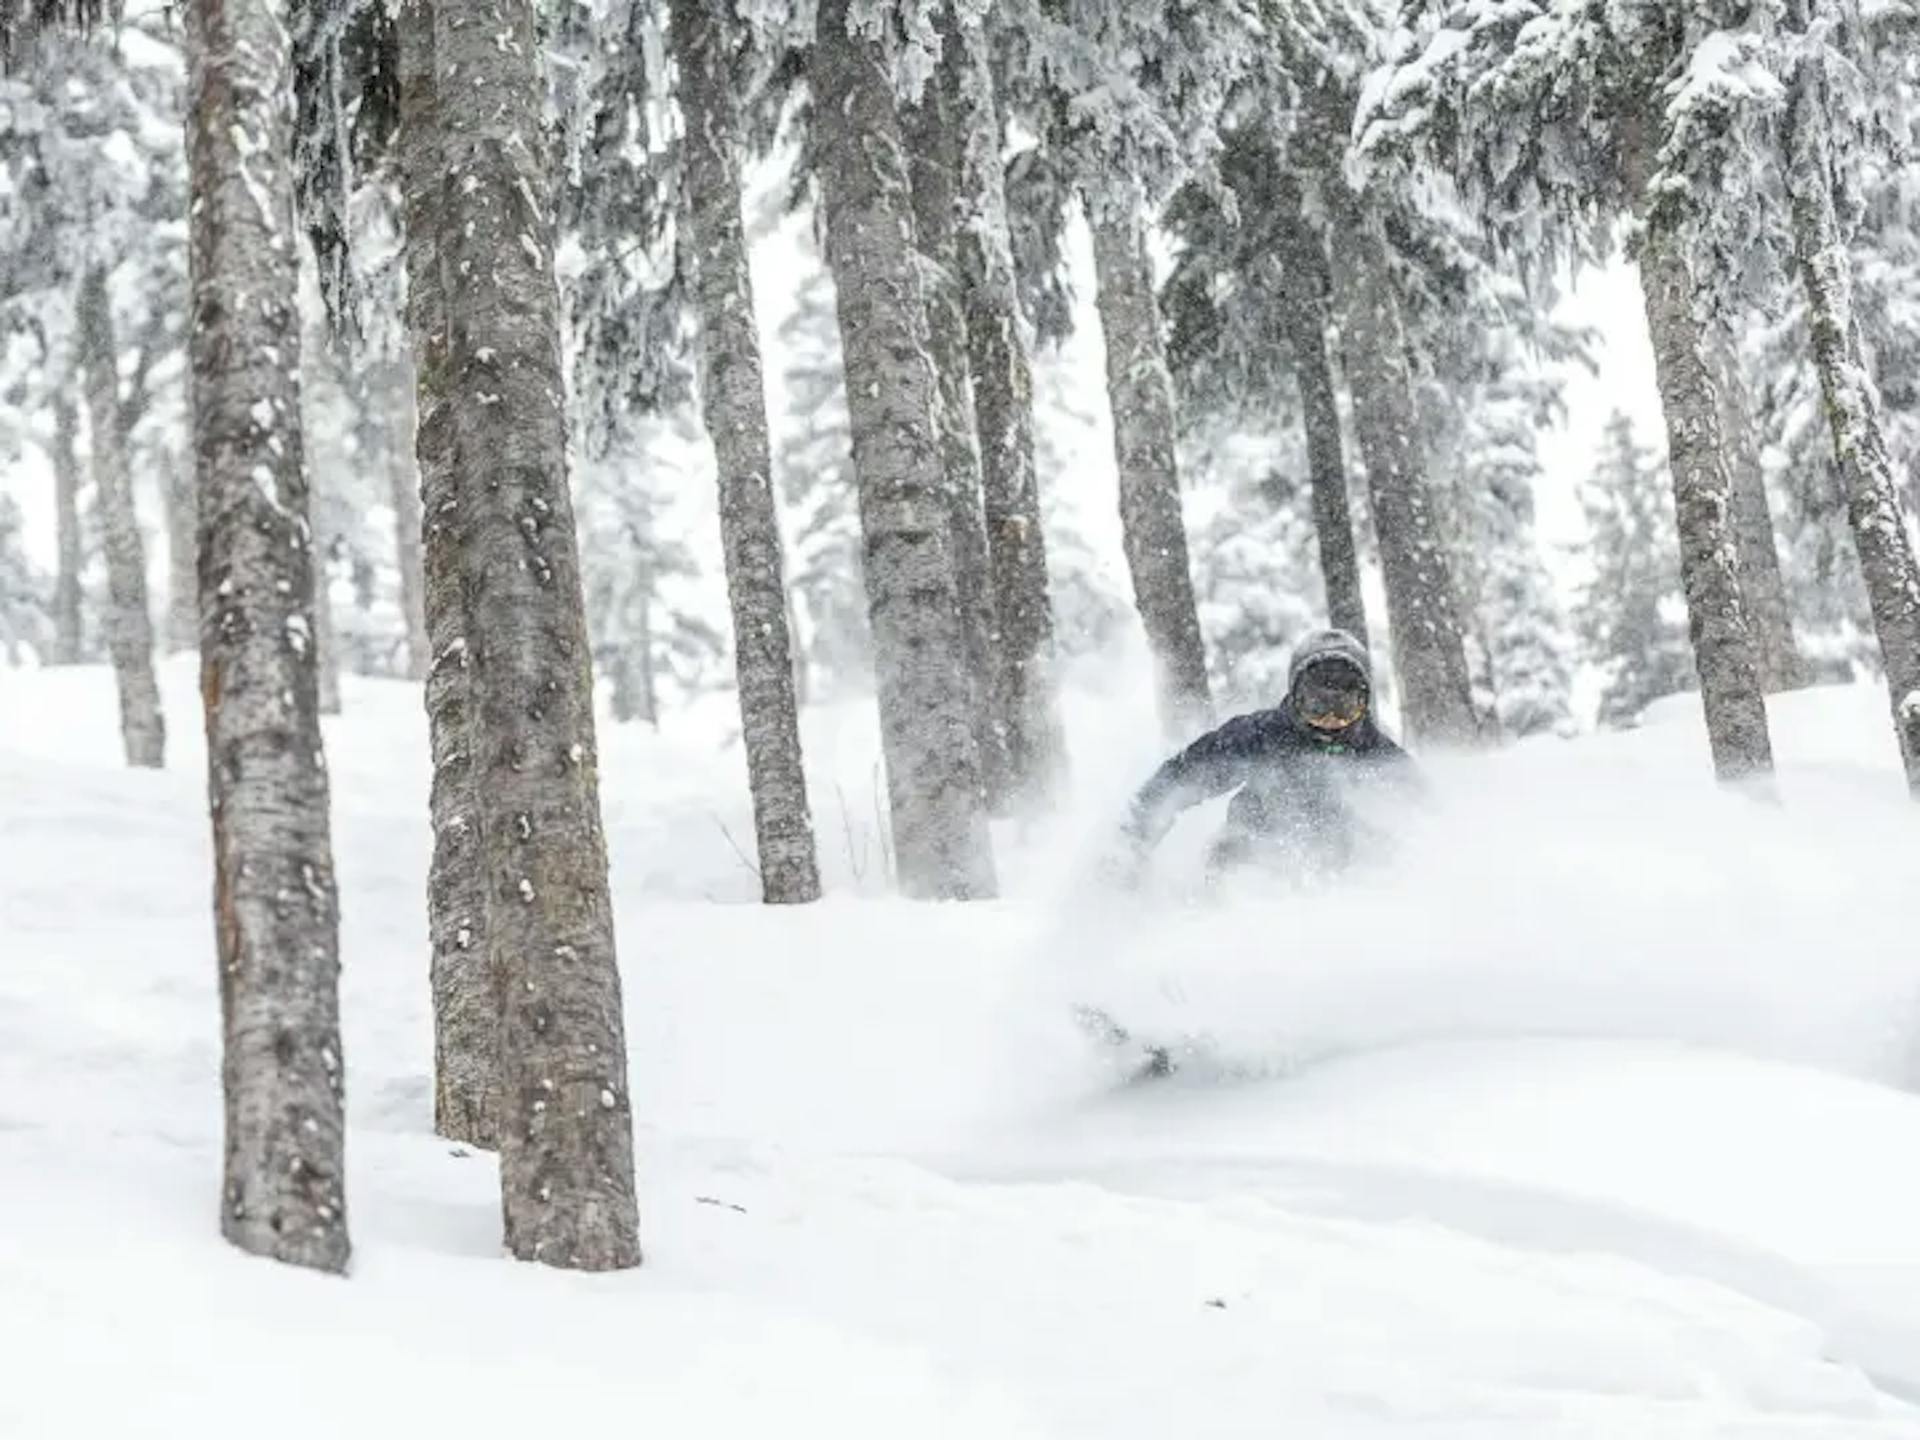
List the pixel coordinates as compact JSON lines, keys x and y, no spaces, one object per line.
{"x":1330,"y":681}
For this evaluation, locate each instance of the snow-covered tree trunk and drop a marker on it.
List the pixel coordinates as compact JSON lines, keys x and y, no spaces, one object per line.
{"x":1423,"y":616}
{"x":275,"y":906}
{"x":735,"y":406}
{"x":466,"y":1009}
{"x":1725,"y":655}
{"x":1140,"y":392}
{"x":566,"y":1121}
{"x":941,"y":844}
{"x":933,"y":157}
{"x":1305,"y":286}
{"x":403,"y":485}
{"x":1025,"y":695}
{"x":143,"y":730}
{"x":183,"y":603}
{"x":1765,"y":588}
{"x":1853,"y":409}
{"x":69,"y":553}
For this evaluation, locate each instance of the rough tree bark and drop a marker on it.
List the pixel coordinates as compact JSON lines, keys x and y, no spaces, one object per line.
{"x":1305,"y":286}
{"x":1853,"y":410}
{"x":1140,"y":394}
{"x":735,"y":407}
{"x":275,"y":905}
{"x":143,"y":729}
{"x":1423,"y":615}
{"x":183,"y":604}
{"x":67,"y":632}
{"x":403,"y":485}
{"x":940,"y":838}
{"x":933,"y":160}
{"x":466,"y":1021}
{"x":1025,"y":696}
{"x":1725,"y":654}
{"x":1781,"y":664}
{"x":566,"y":1122}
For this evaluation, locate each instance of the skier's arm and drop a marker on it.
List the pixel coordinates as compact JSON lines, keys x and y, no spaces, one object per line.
{"x":1208,"y":768}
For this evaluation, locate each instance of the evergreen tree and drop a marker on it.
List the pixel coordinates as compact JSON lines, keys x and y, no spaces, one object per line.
{"x":1629,"y":611}
{"x":23,"y":592}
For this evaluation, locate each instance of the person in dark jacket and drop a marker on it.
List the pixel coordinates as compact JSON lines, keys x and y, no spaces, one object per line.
{"x":1294,"y":769}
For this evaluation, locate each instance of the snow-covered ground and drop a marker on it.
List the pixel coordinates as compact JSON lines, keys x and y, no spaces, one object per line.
{"x":1583,"y":1114}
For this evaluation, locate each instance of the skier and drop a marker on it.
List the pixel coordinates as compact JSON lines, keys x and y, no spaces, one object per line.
{"x":1295,"y":767}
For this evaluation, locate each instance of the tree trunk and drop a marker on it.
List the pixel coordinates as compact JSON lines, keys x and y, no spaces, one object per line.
{"x":1140,"y":393}
{"x":933,"y":158}
{"x":129,"y":624}
{"x":403,"y":484}
{"x":566,"y":1131}
{"x":1781,"y":664}
{"x":1025,"y":698}
{"x":326,"y":640}
{"x":734,"y":402}
{"x":466,"y":1009}
{"x":1304,"y":287}
{"x":1724,"y":652}
{"x":68,"y":637}
{"x":1423,"y":614}
{"x":941,"y":843}
{"x":183,"y":604}
{"x":1853,"y":411}
{"x":647,"y":687}
{"x":274,"y":899}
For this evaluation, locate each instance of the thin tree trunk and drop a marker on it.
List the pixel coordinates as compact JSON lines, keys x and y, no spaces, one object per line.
{"x":1305,"y":286}
{"x":1781,"y":664}
{"x":647,"y":687}
{"x":940,"y":836}
{"x":566,"y":1132}
{"x":734,"y":402}
{"x":1853,"y":410}
{"x":129,"y":624}
{"x":1140,"y":393}
{"x":1725,"y":655}
{"x":183,"y":605}
{"x":403,"y":484}
{"x":466,"y":1009}
{"x":1025,"y":694}
{"x":933,"y":157}
{"x":67,"y":632}
{"x":274,"y":899}
{"x":326,"y":639}
{"x":1423,"y":613}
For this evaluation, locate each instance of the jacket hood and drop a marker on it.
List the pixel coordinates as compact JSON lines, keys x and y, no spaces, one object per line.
{"x":1329,"y":645}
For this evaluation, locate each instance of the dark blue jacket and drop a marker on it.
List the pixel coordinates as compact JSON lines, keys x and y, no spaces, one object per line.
{"x":1292,"y":782}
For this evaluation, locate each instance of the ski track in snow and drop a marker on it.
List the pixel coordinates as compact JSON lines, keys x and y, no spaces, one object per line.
{"x":1580,"y":1115}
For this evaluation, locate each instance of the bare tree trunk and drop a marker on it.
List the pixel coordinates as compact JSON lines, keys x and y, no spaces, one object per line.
{"x":1140,"y":393}
{"x":1765,"y":589}
{"x":466,"y":1008}
{"x":1305,"y":286}
{"x":566,"y":1121}
{"x":403,"y":483}
{"x":183,"y":605}
{"x":933,"y":158}
{"x":1725,"y":655}
{"x":647,"y":687}
{"x":1423,"y":613}
{"x":326,"y":640}
{"x":67,"y":632}
{"x":1025,"y":695}
{"x":1853,"y":411}
{"x":735,"y":406}
{"x":129,"y":623}
{"x":940,"y":835}
{"x":274,"y":899}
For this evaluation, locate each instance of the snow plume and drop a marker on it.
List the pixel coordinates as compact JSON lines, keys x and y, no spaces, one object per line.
{"x":1601,"y":888}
